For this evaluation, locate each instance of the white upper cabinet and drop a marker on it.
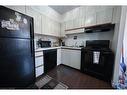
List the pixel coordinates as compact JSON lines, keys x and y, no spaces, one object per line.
{"x":88,"y":16}
{"x":46,"y":26}
{"x":91,"y":9}
{"x":53,"y":27}
{"x":50,"y":27}
{"x":62,"y":29}
{"x":37,"y":19}
{"x":81,"y":22}
{"x":68,"y":16}
{"x":58,"y":29}
{"x":69,"y":24}
{"x":116,"y":14}
{"x":43,"y":22}
{"x":37,"y":24}
{"x":55,"y":30}
{"x":105,"y":16}
{"x":77,"y":18}
{"x":90,"y":19}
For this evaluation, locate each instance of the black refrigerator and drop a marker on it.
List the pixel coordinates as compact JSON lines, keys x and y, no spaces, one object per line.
{"x":17,"y":65}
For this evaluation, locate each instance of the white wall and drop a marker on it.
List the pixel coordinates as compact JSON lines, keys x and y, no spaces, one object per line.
{"x":116,"y":16}
{"x":125,"y":41}
{"x":88,"y":36}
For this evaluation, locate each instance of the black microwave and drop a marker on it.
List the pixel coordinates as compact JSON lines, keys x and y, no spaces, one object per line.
{"x":44,"y":44}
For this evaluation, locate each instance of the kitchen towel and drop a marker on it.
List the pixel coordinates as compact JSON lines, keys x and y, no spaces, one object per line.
{"x":96,"y":56}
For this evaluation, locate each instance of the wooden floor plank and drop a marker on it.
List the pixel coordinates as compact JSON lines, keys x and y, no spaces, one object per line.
{"x":74,"y":79}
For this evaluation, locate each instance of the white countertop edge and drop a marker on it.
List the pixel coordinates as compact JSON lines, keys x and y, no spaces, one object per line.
{"x":60,"y":47}
{"x":73,"y":48}
{"x":41,"y":49}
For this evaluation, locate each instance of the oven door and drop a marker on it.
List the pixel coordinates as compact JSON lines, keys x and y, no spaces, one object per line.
{"x":88,"y":66}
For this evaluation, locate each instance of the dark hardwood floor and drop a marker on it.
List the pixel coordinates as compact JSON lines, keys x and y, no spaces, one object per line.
{"x":74,"y":79}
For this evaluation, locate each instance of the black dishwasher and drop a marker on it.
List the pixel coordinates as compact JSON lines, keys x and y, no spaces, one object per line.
{"x":50,"y":59}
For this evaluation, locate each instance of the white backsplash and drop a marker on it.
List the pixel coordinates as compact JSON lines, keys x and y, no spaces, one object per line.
{"x":70,"y":41}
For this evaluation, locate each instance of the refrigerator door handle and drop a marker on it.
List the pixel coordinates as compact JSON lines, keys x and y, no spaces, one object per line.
{"x":32,"y":35}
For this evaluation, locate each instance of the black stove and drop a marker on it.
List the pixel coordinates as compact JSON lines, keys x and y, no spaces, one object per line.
{"x":97,"y":59}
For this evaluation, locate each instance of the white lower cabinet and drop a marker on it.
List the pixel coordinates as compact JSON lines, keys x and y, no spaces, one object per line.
{"x":39,"y":71}
{"x":58,"y":56}
{"x":65,"y":56}
{"x":75,"y":58}
{"x":39,"y":63}
{"x":68,"y":57}
{"x":71,"y":58}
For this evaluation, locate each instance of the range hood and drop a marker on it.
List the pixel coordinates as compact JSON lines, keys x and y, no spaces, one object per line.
{"x":99,"y":28}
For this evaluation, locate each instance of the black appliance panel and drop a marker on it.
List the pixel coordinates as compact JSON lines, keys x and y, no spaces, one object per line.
{"x":44,"y":44}
{"x":102,"y":70}
{"x":98,"y":43}
{"x":16,"y":63}
{"x":50,"y":59}
{"x":99,"y":28}
{"x":14,"y":24}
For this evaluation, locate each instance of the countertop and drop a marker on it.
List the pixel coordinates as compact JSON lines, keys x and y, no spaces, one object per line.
{"x":60,"y":47}
{"x":41,"y":49}
{"x":72,"y":48}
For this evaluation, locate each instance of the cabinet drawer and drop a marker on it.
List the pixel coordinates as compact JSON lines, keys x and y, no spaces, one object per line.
{"x":40,"y":53}
{"x":39,"y":71}
{"x":38,"y":61}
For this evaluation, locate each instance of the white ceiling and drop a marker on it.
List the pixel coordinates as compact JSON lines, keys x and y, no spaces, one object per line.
{"x":62,"y":9}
